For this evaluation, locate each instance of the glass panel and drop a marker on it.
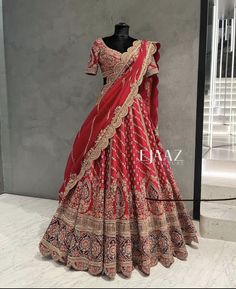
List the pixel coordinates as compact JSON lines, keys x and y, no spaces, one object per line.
{"x":220,"y":88}
{"x":218,"y":206}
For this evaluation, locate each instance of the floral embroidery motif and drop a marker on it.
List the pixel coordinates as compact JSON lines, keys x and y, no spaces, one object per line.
{"x":111,"y":62}
{"x":104,"y":136}
{"x":105,"y":224}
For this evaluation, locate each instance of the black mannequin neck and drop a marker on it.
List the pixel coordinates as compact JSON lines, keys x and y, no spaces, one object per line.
{"x":121,"y":30}
{"x":120,"y":40}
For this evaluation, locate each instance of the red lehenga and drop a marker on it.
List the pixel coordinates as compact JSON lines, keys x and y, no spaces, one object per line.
{"x":105,"y":222}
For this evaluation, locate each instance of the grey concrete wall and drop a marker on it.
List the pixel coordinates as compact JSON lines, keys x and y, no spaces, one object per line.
{"x":47,"y":46}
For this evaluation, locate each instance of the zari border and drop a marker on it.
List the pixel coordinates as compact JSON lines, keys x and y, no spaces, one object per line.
{"x":107,"y":133}
{"x":120,"y":66}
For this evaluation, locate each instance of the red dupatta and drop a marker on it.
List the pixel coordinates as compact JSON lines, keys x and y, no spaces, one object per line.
{"x":149,"y":91}
{"x":101,"y":123}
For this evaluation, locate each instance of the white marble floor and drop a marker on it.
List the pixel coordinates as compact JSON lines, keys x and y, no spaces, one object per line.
{"x":23,"y":221}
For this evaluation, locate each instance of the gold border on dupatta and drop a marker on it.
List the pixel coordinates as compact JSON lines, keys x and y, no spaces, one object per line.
{"x":102,"y":140}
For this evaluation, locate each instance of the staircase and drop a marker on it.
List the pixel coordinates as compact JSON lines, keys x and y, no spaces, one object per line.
{"x":218,"y":218}
{"x":224,"y":119}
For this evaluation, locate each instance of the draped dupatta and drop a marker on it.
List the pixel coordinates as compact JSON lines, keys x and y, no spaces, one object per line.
{"x":107,"y":115}
{"x":149,"y":91}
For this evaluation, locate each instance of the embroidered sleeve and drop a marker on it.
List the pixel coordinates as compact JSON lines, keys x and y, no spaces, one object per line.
{"x":152,"y":68}
{"x":92,"y":66}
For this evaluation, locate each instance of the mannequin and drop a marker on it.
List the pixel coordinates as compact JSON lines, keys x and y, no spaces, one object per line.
{"x":120,"y":40}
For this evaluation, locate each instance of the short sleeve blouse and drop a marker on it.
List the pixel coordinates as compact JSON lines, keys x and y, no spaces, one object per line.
{"x":108,"y":59}
{"x":93,"y":62}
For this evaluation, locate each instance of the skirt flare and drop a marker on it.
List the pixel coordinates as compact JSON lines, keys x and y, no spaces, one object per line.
{"x":107,"y":223}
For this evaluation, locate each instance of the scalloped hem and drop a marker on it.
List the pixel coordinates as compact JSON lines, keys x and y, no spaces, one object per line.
{"x":111,"y":271}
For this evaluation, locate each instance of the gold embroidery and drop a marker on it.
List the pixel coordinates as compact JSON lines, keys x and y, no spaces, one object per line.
{"x":89,"y":135}
{"x":118,"y":69}
{"x":107,"y":133}
{"x":138,"y":96}
{"x":85,"y":222}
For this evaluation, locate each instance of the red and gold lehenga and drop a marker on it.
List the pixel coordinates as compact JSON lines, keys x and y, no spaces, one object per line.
{"x":105,"y":221}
